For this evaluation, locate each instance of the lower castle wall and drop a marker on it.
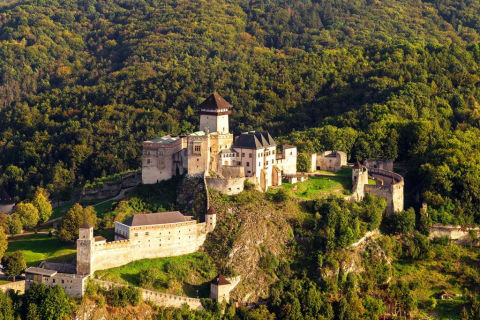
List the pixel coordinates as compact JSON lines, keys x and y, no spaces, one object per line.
{"x":113,"y":254}
{"x":159,"y":298}
{"x":15,"y":286}
{"x":455,"y":233}
{"x":229,"y":186}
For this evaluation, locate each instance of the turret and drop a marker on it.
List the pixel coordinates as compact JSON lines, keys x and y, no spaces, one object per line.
{"x":359,"y":180}
{"x":210,"y":219}
{"x":85,"y":248}
{"x":214,"y":113}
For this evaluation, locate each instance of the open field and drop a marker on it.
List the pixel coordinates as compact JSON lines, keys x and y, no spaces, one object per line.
{"x":316,"y":187}
{"x":39,"y":247}
{"x":188,"y":275}
{"x":448,"y":268}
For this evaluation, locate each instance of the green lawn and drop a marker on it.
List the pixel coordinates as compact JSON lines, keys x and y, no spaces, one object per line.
{"x":182,"y":275}
{"x":39,"y":247}
{"x":3,"y":282}
{"x":339,"y":183}
{"x":60,"y":211}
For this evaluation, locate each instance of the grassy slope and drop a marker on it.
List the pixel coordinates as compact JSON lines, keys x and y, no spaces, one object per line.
{"x":182,"y":275}
{"x":39,"y":247}
{"x":339,"y":183}
{"x":447,"y":268}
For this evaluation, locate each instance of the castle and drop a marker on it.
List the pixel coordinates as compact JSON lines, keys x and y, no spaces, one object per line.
{"x":389,"y":185}
{"x":143,"y":236}
{"x":215,"y":153}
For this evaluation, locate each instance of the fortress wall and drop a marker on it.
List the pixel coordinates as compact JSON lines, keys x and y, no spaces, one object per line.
{"x":230,"y":186}
{"x":382,"y":192}
{"x":385,"y":164}
{"x":184,"y":239}
{"x":457,"y":234}
{"x":233,"y":171}
{"x":159,"y":298}
{"x":15,"y":286}
{"x":392,"y":190}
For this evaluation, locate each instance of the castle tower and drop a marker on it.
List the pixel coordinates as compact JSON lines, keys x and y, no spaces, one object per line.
{"x":220,"y":289}
{"x":211,"y":219}
{"x":85,"y":249}
{"x":214,"y":112}
{"x":359,"y":180}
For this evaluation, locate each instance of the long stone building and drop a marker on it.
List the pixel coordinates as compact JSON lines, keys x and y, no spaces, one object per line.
{"x":215,"y":152}
{"x":143,"y":236}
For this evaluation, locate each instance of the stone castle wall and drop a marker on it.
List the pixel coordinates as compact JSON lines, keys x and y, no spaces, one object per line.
{"x":15,"y":286}
{"x":391,"y":190}
{"x":458,"y":234}
{"x":158,"y":298}
{"x":111,"y":189}
{"x":230,"y":186}
{"x":174,"y":241}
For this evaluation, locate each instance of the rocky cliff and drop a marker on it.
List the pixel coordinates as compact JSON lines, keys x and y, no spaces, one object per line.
{"x":250,"y":229}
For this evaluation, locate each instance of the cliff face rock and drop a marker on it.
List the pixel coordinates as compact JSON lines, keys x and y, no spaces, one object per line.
{"x":191,"y":198}
{"x":250,"y":228}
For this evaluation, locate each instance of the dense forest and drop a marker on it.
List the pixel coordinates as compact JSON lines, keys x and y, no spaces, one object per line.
{"x":83,"y":82}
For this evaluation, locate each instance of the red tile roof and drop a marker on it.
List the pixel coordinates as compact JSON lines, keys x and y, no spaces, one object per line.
{"x":215,"y":102}
{"x":220,"y":280}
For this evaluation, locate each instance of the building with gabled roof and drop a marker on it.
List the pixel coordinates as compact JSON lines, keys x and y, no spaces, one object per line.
{"x":250,"y":156}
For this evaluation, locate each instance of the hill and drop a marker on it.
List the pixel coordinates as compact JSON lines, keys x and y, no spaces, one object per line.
{"x":83,"y":83}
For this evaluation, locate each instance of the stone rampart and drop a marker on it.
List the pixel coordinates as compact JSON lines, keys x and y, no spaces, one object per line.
{"x":15,"y":286}
{"x":109,"y":189}
{"x":158,"y":298}
{"x":457,"y":234}
{"x":230,"y":186}
{"x":391,"y":189}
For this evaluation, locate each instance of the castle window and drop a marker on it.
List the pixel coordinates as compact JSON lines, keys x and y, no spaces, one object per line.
{"x":136,"y":234}
{"x":148,"y":160}
{"x":146,"y":233}
{"x":239,"y":163}
{"x":63,"y":281}
{"x":53,"y":280}
{"x":248,"y":164}
{"x":197,"y":149}
{"x":266,"y":163}
{"x":250,"y":155}
{"x":243,"y":154}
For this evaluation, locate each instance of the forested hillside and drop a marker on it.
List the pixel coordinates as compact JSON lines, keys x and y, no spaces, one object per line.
{"x":82,"y":83}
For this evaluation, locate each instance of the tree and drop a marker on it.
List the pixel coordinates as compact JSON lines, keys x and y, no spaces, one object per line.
{"x":6,"y":307}
{"x":3,"y":242}
{"x":14,"y":224}
{"x":43,"y":205}
{"x":14,"y":264}
{"x":27,"y":214}
{"x":373,"y":307}
{"x":56,"y":305}
{"x":303,"y":162}
{"x":74,"y":218}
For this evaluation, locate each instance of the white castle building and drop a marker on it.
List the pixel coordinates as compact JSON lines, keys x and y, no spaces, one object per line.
{"x":214,"y":152}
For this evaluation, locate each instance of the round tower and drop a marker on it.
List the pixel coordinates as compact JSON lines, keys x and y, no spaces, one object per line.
{"x":210,"y":219}
{"x":85,"y":249}
{"x":359,"y":180}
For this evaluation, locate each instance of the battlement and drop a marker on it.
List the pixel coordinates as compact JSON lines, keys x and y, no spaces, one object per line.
{"x":113,"y":245}
{"x":396,"y":178}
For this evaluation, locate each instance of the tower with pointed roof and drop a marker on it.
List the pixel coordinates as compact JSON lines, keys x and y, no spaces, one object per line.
{"x":214,"y":112}
{"x":85,"y":249}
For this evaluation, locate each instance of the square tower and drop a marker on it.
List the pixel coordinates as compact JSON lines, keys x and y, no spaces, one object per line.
{"x":214,"y":112}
